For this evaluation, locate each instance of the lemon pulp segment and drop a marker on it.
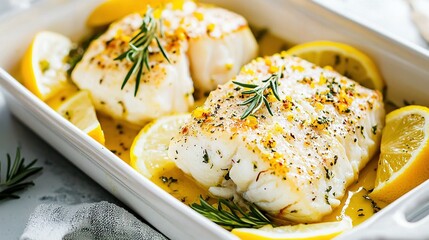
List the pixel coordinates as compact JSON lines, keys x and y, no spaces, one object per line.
{"x":404,"y":153}
{"x":44,"y":67}
{"x":79,"y":110}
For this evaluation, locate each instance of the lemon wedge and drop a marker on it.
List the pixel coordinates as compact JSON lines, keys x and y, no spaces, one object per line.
{"x":44,"y":67}
{"x":404,"y":154}
{"x":148,"y":152}
{"x":78,"y":109}
{"x":319,"y":231}
{"x":112,"y":10}
{"x":344,"y":59}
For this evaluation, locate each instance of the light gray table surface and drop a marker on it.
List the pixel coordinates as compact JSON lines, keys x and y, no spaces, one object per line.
{"x":63,"y":183}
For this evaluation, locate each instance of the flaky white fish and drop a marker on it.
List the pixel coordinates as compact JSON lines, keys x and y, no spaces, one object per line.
{"x":296,"y":164}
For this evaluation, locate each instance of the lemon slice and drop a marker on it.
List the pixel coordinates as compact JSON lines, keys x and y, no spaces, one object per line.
{"x":112,"y":10}
{"x":149,"y":150}
{"x":344,"y":59}
{"x":78,"y":109}
{"x":44,"y":67}
{"x":326,"y":230}
{"x":404,"y":153}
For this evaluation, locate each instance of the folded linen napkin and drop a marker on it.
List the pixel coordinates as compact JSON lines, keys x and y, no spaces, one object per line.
{"x":100,"y":220}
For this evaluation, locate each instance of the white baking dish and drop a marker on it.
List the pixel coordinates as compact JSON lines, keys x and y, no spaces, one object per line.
{"x":405,"y":68}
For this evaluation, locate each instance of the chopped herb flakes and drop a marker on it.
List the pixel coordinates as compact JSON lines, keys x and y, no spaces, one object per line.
{"x":329,"y":173}
{"x":206,"y":157}
{"x":322,"y":120}
{"x":227,"y":177}
{"x":168,"y":180}
{"x":374,"y":129}
{"x":327,"y":199}
{"x":374,"y":205}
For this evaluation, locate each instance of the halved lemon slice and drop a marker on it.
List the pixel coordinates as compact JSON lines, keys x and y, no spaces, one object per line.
{"x":344,"y":59}
{"x":404,"y":154}
{"x":112,"y":10}
{"x":149,"y":150}
{"x":44,"y":67}
{"x":78,"y":109}
{"x":319,"y":231}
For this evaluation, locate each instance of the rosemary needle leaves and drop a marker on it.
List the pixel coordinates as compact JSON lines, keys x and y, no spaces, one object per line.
{"x":138,"y":53}
{"x":259,"y":95}
{"x":16,"y":173}
{"x":229,"y":215}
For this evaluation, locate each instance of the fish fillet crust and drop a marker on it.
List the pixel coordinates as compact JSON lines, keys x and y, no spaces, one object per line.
{"x":296,"y":164}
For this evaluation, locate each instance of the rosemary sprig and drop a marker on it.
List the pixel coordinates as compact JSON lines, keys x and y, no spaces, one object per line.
{"x":229,"y":215}
{"x":138,"y":53}
{"x":16,"y":173}
{"x":259,"y":95}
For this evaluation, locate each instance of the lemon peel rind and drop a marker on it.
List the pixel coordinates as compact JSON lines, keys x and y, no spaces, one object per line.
{"x":326,"y":230}
{"x":366,"y":62}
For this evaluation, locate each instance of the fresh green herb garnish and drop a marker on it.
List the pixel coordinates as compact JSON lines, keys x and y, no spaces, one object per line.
{"x":16,"y":173}
{"x":229,"y":215}
{"x":76,"y":53}
{"x":259,"y":95}
{"x":138,"y":53}
{"x":74,"y":57}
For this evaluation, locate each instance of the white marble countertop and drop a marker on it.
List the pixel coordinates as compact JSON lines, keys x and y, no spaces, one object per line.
{"x":61,"y":182}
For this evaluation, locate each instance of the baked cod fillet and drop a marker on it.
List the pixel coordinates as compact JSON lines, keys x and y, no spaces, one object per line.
{"x":206,"y":47}
{"x":166,"y":89}
{"x":296,"y":164}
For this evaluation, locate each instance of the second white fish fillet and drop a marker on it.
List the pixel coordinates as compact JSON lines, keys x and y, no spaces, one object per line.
{"x":296,"y":164}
